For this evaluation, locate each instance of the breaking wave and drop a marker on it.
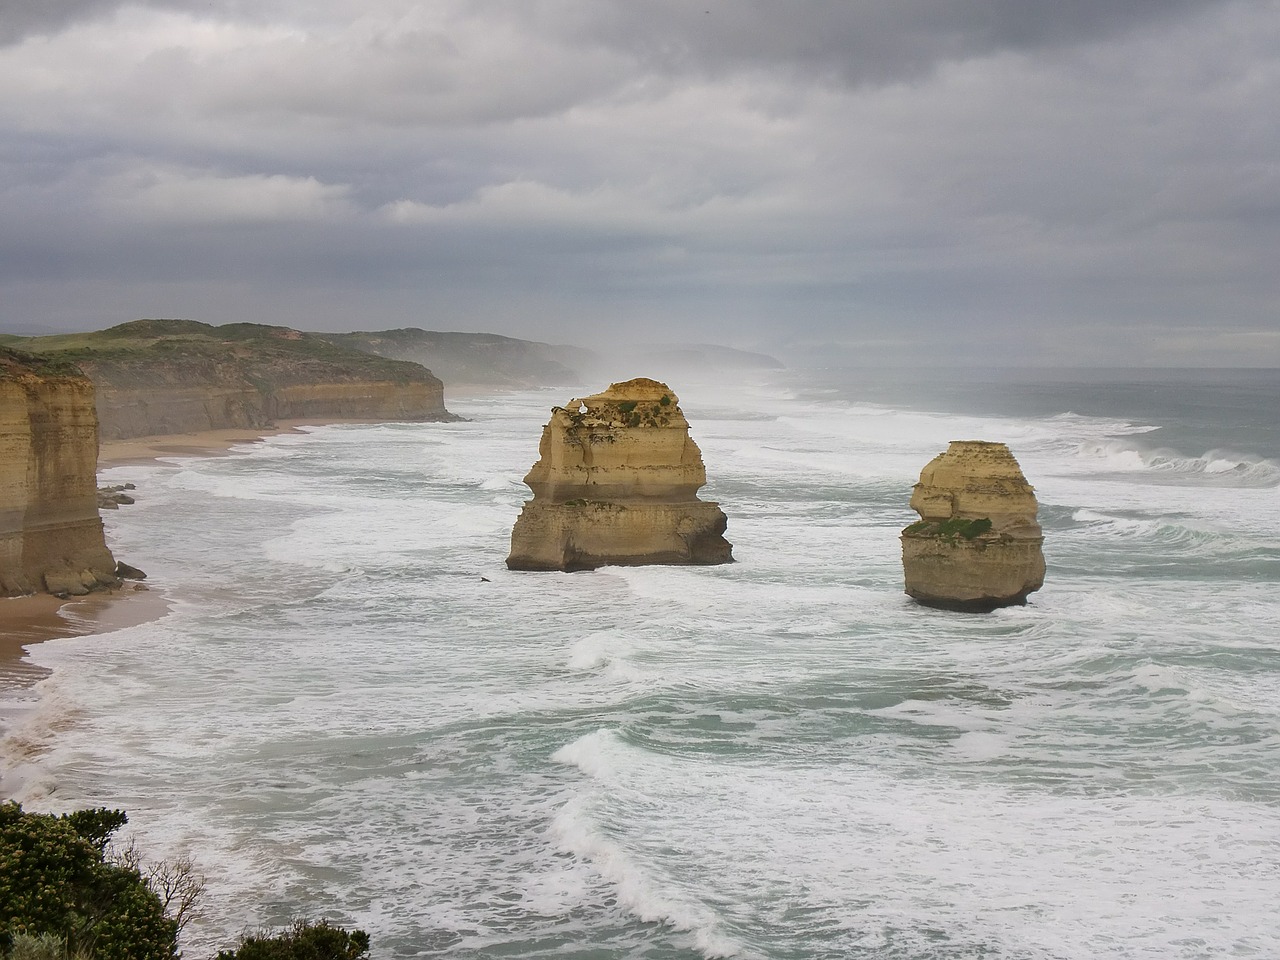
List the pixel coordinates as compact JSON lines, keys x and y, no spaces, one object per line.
{"x":1215,"y":467}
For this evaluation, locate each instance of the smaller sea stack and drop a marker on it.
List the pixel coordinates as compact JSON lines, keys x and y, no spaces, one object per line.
{"x":616,"y":484}
{"x":977,"y":545}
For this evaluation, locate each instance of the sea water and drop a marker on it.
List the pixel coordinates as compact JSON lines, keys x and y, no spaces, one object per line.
{"x":354,"y":711}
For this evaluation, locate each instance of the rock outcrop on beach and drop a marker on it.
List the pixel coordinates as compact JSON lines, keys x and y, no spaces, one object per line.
{"x":50,"y":532}
{"x":616,"y":483}
{"x":977,"y":545}
{"x":180,"y":376}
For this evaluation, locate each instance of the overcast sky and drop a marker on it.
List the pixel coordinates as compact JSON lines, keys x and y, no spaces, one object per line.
{"x":1069,"y":181}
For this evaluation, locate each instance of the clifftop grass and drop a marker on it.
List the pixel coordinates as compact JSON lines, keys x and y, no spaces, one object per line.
{"x":146,"y":352}
{"x":15,"y":363}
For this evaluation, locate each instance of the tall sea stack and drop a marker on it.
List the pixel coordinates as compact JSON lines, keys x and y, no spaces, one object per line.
{"x":616,"y":483}
{"x":977,"y":545}
{"x":50,"y":532}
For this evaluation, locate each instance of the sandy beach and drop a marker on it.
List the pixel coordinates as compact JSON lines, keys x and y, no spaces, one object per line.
{"x":204,"y":443}
{"x":28,"y":620}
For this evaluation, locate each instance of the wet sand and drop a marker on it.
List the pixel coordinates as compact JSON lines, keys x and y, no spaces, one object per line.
{"x":205,"y":443}
{"x":214,"y":443}
{"x":28,"y":620}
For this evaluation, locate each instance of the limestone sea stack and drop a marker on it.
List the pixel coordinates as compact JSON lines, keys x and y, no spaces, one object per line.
{"x":50,"y":531}
{"x":977,"y":545}
{"x":616,"y":483}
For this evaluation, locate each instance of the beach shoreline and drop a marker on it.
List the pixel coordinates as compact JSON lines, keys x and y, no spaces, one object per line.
{"x":41,"y":617}
{"x":202,"y":443}
{"x":38,"y":617}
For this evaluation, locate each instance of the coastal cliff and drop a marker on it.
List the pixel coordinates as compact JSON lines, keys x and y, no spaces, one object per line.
{"x":50,"y":532}
{"x":977,"y":545}
{"x":475,"y":358}
{"x":180,"y":376}
{"x":616,"y":483}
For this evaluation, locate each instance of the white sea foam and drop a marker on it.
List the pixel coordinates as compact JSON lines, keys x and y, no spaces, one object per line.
{"x":598,"y":650}
{"x":354,"y":709}
{"x":1216,"y":467}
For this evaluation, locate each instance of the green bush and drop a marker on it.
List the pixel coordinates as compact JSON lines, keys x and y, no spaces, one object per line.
{"x":47,"y":946}
{"x":55,"y":881}
{"x":305,"y":941}
{"x":65,"y":894}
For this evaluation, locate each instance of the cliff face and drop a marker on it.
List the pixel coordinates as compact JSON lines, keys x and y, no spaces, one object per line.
{"x":977,"y":545}
{"x":179,"y":376}
{"x":50,"y":532}
{"x":616,"y":483}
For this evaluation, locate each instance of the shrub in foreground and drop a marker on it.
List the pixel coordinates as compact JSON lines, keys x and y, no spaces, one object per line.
{"x":59,"y":891}
{"x":305,"y":941}
{"x":66,"y":895}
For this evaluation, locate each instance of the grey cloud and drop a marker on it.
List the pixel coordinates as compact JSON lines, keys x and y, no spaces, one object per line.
{"x":543,"y":167}
{"x":20,"y":18}
{"x":862,"y":41}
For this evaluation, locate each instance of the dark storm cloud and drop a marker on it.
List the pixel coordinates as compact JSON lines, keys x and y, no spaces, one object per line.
{"x":23,"y":18}
{"x":859,"y":41}
{"x":19,"y":18}
{"x":856,"y":40}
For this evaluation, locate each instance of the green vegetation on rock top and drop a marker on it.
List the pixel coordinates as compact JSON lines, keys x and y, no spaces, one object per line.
{"x":17,"y":362}
{"x":950,"y":529}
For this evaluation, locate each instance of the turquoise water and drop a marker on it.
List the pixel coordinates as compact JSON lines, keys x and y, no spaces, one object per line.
{"x":354,"y":711}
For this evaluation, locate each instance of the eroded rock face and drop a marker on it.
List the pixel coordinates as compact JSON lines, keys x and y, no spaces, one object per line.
{"x":977,"y":545}
{"x":177,"y":397}
{"x":181,"y":376}
{"x":50,"y":532}
{"x":616,"y":483}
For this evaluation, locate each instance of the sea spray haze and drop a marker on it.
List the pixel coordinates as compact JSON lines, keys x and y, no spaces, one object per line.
{"x":355,"y":711}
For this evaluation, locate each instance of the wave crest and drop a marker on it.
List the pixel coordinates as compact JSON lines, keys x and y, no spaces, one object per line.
{"x":1216,"y":467}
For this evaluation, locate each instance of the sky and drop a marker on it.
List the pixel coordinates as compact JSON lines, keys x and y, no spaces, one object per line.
{"x":1042,"y":182}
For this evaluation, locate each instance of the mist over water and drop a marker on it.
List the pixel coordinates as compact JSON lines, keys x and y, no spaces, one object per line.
{"x":355,"y":711}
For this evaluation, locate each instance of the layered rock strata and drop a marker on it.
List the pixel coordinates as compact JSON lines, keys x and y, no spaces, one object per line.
{"x":977,"y":545}
{"x":181,"y":376}
{"x":50,"y":532}
{"x":616,"y":483}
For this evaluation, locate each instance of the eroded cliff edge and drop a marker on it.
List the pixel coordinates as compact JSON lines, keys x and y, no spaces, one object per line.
{"x":50,"y":532}
{"x":181,"y":376}
{"x":977,"y":545}
{"x":616,"y":484}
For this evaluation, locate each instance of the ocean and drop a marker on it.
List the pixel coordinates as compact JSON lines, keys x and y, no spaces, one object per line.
{"x":354,"y":711}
